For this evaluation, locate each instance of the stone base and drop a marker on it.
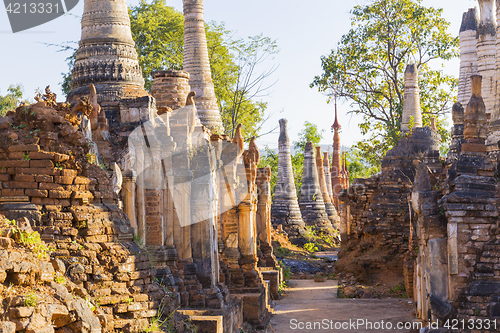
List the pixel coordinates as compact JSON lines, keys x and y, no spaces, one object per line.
{"x":274,"y":278}
{"x":255,"y":309}
{"x":226,"y":320}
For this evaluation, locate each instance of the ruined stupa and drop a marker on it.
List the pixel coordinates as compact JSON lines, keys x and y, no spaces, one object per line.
{"x":468,"y":55}
{"x":311,"y":201}
{"x":329,"y":207}
{"x":328,"y":175}
{"x":285,"y":209}
{"x":197,"y":64}
{"x":486,"y":39}
{"x":412,"y":116}
{"x":106,"y":56}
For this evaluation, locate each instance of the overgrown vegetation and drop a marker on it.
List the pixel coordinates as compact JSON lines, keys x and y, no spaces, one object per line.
{"x":367,"y":66}
{"x":30,"y":240}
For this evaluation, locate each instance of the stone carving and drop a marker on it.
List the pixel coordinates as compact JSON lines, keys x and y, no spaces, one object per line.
{"x":117,"y":180}
{"x":106,"y":56}
{"x":238,"y":140}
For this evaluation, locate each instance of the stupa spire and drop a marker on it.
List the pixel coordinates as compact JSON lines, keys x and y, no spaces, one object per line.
{"x":285,"y":209}
{"x":411,"y":102}
{"x":197,"y":64}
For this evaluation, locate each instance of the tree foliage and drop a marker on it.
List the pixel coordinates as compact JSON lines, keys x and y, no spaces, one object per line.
{"x":158,"y":31}
{"x":11,"y":100}
{"x":367,"y":69}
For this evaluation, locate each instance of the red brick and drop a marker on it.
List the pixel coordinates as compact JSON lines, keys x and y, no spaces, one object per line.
{"x":82,"y":181}
{"x":37,"y":193}
{"x":24,"y":148}
{"x":4,"y":177}
{"x":69,"y":173}
{"x":65,"y":180}
{"x":44,"y":179}
{"x":14,"y":163}
{"x":12,"y":192}
{"x":41,"y":164}
{"x":60,"y":157}
{"x":82,"y":194}
{"x":36,"y":201}
{"x":14,"y":184}
{"x":17,"y":155}
{"x":24,"y":178}
{"x":56,"y":194}
{"x":50,"y":186}
{"x":38,"y":171}
{"x":41,"y":155}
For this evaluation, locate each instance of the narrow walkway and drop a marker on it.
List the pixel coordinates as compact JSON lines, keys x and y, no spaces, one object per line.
{"x":308,"y":303}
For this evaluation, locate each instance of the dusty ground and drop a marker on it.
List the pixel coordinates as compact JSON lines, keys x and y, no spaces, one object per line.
{"x":307,"y":301}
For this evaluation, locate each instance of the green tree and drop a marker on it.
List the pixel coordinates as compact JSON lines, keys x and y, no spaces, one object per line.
{"x":11,"y":100}
{"x":158,"y":32}
{"x":367,"y":69}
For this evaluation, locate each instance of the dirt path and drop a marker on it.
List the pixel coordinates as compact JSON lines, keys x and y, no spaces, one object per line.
{"x":307,"y":301}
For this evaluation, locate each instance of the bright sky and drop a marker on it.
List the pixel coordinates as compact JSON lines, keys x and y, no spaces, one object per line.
{"x":304,"y":30}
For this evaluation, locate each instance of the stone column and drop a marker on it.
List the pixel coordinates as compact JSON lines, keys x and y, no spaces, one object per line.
{"x":311,"y":201}
{"x":486,"y":39}
{"x":197,"y":64}
{"x":329,"y":207}
{"x":285,"y":208}
{"x":336,"y":162}
{"x":128,"y":196}
{"x":411,"y":102}
{"x":328,"y":175}
{"x":106,"y":55}
{"x":457,"y":132}
{"x":468,"y":54}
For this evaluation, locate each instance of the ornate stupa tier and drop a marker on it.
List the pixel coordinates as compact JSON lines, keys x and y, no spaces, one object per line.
{"x":412,"y":114}
{"x":106,"y":56}
{"x":197,"y":64}
{"x":468,"y":55}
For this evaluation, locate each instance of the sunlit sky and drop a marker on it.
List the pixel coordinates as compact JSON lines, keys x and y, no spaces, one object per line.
{"x":304,"y":30}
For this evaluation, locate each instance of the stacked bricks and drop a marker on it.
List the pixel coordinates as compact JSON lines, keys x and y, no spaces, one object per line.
{"x":375,"y":211}
{"x":170,"y":89}
{"x":27,"y":171}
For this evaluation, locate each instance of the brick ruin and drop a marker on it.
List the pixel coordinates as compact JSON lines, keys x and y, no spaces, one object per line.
{"x":120,"y":167}
{"x":430,"y":220}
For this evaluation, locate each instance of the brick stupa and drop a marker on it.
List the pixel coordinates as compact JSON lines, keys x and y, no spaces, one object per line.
{"x":311,"y":200}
